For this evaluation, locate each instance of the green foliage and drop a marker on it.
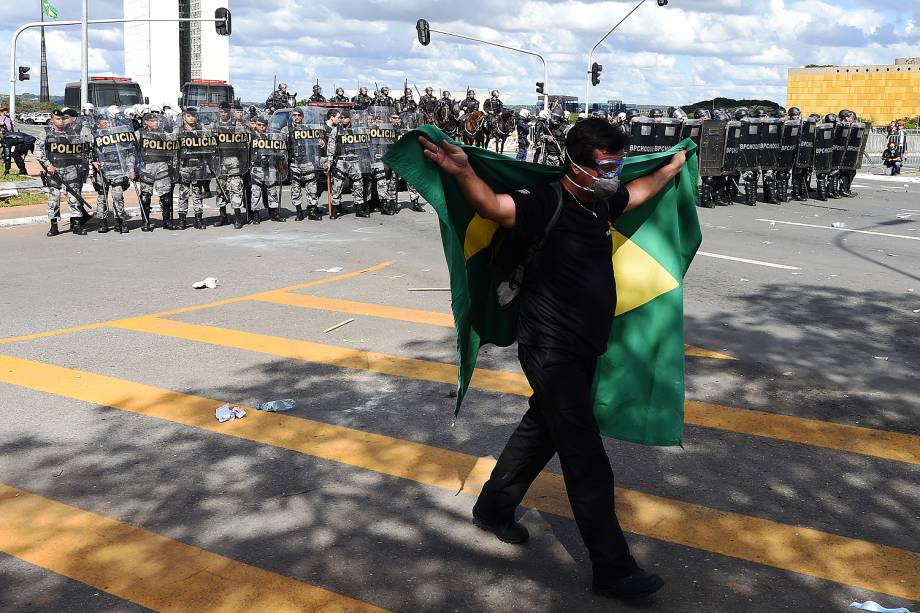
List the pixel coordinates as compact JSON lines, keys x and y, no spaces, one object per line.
{"x":30,"y":104}
{"x":14,"y":176}
{"x":25,"y":198}
{"x":730,"y":103}
{"x":820,"y":65}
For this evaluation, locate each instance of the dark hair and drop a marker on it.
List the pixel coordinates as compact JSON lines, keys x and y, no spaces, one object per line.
{"x":332,"y":113}
{"x":590,"y":134}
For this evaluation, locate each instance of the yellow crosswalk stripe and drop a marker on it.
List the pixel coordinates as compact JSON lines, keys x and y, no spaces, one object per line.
{"x":851,"y":439}
{"x":820,"y":554}
{"x":145,"y":568}
{"x":431,"y":318}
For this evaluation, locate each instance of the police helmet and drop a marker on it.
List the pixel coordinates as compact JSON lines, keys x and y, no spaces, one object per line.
{"x":317,"y":89}
{"x":407,"y":92}
{"x":701,"y":114}
{"x":362,"y":91}
{"x":525,"y":113}
{"x":154,"y":109}
{"x":847,"y":115}
{"x":495,"y":93}
{"x":544,"y":114}
{"x":385,"y":90}
{"x":445,"y":94}
{"x":760,"y":113}
{"x":830,"y":118}
{"x":621,"y":116}
{"x":599,"y":114}
{"x":675,"y":112}
{"x":87,"y":106}
{"x":282,"y":86}
{"x":339,"y":91}
{"x":720,"y":115}
{"x":779,"y":113}
{"x":470,"y":93}
{"x":794,"y":112}
{"x":655,"y":113}
{"x":741,"y":113}
{"x":429,"y":90}
{"x":814,"y":117}
{"x":630,"y":113}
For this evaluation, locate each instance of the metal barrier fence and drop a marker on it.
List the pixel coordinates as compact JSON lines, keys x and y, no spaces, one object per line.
{"x":878,"y":142}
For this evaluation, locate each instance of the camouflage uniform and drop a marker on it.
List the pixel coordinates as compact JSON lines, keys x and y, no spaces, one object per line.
{"x":71,"y":175}
{"x":346,"y":166}
{"x":261,"y":182}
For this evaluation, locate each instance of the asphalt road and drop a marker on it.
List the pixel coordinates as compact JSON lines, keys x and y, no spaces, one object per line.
{"x":119,"y":490}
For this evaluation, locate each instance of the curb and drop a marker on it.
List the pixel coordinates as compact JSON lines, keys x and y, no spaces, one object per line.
{"x":133,"y":212}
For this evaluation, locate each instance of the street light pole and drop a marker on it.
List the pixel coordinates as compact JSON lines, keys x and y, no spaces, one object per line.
{"x":597,"y":44}
{"x":525,"y":51}
{"x":84,"y":23}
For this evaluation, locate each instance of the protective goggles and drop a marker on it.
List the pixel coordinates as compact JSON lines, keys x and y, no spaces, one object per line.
{"x":613,"y":166}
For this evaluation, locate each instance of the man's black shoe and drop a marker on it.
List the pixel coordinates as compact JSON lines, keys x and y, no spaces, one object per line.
{"x":507,"y":532}
{"x":637,"y":585}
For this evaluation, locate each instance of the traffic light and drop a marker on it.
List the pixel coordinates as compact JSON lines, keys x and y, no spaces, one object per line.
{"x":540,"y":87}
{"x":596,"y":73}
{"x":424,"y":34}
{"x":222,"y":21}
{"x":24,"y":73}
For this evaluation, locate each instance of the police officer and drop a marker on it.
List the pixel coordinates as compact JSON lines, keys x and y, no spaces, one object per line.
{"x":384,"y":178}
{"x":407,"y":103}
{"x":362,"y":100}
{"x":710,"y":185}
{"x":339,"y":96}
{"x":234,"y":161}
{"x":523,"y":132}
{"x":827,"y":182}
{"x":402,"y":129}
{"x":330,"y":147}
{"x":62,"y":154}
{"x":278,"y":98}
{"x":263,"y":175}
{"x":428,"y":102}
{"x":304,"y":175}
{"x":114,"y":183}
{"x":469,"y":104}
{"x":799,"y":184}
{"x":493,"y":106}
{"x":447,"y":101}
{"x":769,"y":175}
{"x":191,"y":187}
{"x":346,"y":165}
{"x":383,"y":98}
{"x":845,"y":177}
{"x":554,"y":140}
{"x":317,"y":94}
{"x":157,"y":175}
{"x":540,"y":128}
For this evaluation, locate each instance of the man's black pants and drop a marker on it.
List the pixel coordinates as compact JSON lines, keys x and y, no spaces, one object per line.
{"x":561,"y":420}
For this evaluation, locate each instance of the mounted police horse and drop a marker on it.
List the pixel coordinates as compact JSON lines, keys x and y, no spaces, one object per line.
{"x":445,"y":118}
{"x":500,"y":128}
{"x":474,"y":129}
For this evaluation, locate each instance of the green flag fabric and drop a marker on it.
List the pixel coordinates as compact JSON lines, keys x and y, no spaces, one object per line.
{"x":49,"y":10}
{"x":639,"y":384}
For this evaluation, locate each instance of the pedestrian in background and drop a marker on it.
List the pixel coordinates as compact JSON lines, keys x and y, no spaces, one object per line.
{"x":891,"y":157}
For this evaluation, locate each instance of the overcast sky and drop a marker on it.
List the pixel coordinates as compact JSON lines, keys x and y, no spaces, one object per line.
{"x":687,"y":51}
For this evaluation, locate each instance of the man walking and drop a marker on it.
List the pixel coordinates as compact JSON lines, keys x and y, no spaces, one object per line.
{"x":565,"y":317}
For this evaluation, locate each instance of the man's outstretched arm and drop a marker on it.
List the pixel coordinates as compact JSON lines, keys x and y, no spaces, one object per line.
{"x":499,"y":208}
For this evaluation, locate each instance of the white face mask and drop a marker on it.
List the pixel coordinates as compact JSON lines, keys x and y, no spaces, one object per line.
{"x":603,"y":186}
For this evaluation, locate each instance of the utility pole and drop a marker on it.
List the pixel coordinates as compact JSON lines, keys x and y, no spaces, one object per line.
{"x":43,"y":95}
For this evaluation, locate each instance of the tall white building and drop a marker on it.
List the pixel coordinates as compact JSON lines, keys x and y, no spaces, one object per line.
{"x":161,"y":56}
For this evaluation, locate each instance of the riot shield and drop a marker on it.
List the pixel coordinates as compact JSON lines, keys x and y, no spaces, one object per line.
{"x":791,"y":134}
{"x":712,"y":147}
{"x":66,"y":147}
{"x":856,"y":145}
{"x":269,"y":157}
{"x":651,"y":135}
{"x":692,"y":129}
{"x":381,"y":130}
{"x":750,"y":143}
{"x":841,"y":138}
{"x":159,"y":150}
{"x":824,"y":148}
{"x":409,"y":120}
{"x":732,"y":147}
{"x":307,"y":140}
{"x":771,"y":131}
{"x":197,"y":154}
{"x":115,"y":146}
{"x":355,"y":140}
{"x":805,"y":155}
{"x":233,"y":141}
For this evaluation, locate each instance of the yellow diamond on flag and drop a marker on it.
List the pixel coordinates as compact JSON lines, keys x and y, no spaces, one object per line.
{"x":478,"y":235}
{"x":639,"y":277}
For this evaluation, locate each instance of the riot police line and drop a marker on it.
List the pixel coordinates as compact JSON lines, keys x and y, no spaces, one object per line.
{"x":777,"y":154}
{"x":320,"y":148}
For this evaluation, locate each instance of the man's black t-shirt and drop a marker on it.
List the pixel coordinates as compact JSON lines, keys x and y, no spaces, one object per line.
{"x":569,"y":294}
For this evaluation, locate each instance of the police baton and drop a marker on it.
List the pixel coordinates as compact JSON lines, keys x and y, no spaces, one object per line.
{"x":61,"y":183}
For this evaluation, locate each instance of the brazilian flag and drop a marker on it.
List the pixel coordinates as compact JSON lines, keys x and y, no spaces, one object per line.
{"x":639,"y":383}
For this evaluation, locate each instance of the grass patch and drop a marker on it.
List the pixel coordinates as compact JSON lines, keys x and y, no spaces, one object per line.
{"x":24,"y":199}
{"x":14,"y":176}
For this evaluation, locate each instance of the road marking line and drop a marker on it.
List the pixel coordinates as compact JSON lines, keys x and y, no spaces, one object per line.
{"x":431,"y":318}
{"x":208,"y":305}
{"x":145,"y":568}
{"x":811,"y":225}
{"x":887,"y":179}
{"x":851,"y":439}
{"x":828,"y":556}
{"x":747,"y":261}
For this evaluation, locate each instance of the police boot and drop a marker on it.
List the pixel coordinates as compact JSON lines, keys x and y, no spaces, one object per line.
{"x":385,"y":208}
{"x":199,"y":221}
{"x":299,"y":215}
{"x":769,"y":192}
{"x":706,"y":196}
{"x":417,"y":207}
{"x":336,"y":211}
{"x":361,"y":210}
{"x":104,"y":225}
{"x":782,"y":190}
{"x":832,"y":188}
{"x":750,"y":194}
{"x":84,"y":215}
{"x":394,"y":204}
{"x":223,"y":221}
{"x":54,"y":229}
{"x":145,"y":206}
{"x":121,"y":226}
{"x":795,"y":189}
{"x":256,"y":218}
{"x":803,"y":190}
{"x":848,"y":191}
{"x":182,"y":222}
{"x":313,"y":214}
{"x":275,"y":214}
{"x":822,"y":188}
{"x":77,"y":228}
{"x":237,"y":219}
